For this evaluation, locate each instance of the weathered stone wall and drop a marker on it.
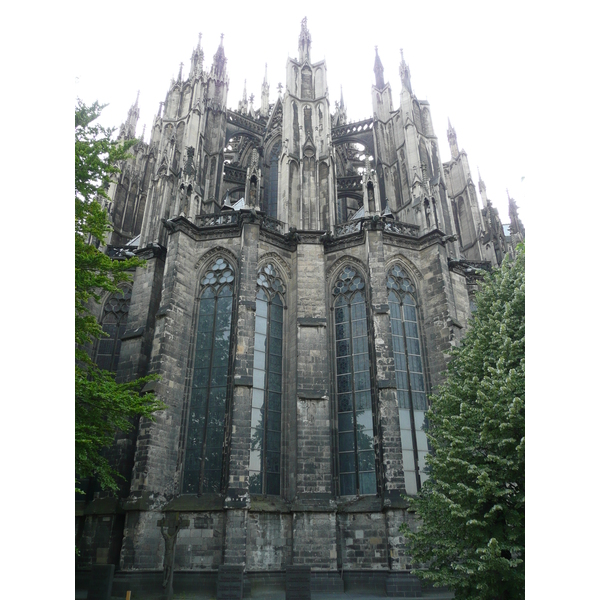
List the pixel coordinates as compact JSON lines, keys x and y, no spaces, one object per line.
{"x":315,"y":540}
{"x":304,"y":526}
{"x":363,"y":543}
{"x":200,"y":545}
{"x":269,"y":541}
{"x":143,"y":544}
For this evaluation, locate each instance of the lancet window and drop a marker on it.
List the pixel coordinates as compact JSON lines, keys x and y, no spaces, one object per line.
{"x":410,"y":378}
{"x":114,"y":323}
{"x":210,"y":377}
{"x":265,"y":452}
{"x":356,"y":452}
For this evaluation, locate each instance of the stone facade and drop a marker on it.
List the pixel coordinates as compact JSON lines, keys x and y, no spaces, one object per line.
{"x":222,"y":196}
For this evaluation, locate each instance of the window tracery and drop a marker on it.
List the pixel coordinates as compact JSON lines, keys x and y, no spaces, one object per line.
{"x":356,"y":450}
{"x":205,"y":436}
{"x":410,"y":377}
{"x":114,"y":324}
{"x":265,"y":425}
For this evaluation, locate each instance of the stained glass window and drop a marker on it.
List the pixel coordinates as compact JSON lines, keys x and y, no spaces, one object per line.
{"x":265,"y":423}
{"x":410,"y":378}
{"x":114,"y":323}
{"x":206,"y":422}
{"x":356,"y":451}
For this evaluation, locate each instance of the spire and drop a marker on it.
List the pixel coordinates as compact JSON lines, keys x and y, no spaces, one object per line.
{"x":517,"y":231}
{"x":378,"y":68}
{"x":340,"y":116}
{"x":264,"y":100}
{"x":127,"y":129}
{"x":197,"y":58}
{"x":405,"y":73}
{"x":243,"y":103}
{"x":452,"y":140}
{"x":219,"y":62}
{"x":482,"y":188}
{"x":304,"y":43}
{"x":251,"y":110}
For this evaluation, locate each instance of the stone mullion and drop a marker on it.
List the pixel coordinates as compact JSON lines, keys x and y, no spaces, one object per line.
{"x":313,"y":398}
{"x":237,"y":499}
{"x":388,"y":420}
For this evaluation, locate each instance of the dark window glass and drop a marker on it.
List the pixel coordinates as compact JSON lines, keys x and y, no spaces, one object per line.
{"x":202,"y":469}
{"x":356,"y":453}
{"x":114,"y":324}
{"x":410,"y":380}
{"x":265,"y":467}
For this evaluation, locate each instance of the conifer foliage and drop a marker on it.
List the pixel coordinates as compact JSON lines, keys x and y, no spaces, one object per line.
{"x":472,"y":508}
{"x":102,"y":406}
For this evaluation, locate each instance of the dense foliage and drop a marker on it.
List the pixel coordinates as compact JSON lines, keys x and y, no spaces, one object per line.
{"x":102,"y":406}
{"x":472,"y":509}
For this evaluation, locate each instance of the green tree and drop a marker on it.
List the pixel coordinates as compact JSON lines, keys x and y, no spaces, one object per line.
{"x":102,"y":406}
{"x":471,"y":510}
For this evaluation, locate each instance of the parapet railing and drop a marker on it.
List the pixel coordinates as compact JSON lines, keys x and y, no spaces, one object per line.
{"x":275,"y":226}
{"x":356,"y":225}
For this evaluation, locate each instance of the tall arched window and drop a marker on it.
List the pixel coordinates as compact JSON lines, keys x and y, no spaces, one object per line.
{"x":206,"y":421}
{"x":114,"y":323}
{"x":356,"y":452}
{"x":410,"y":380}
{"x":265,"y":425}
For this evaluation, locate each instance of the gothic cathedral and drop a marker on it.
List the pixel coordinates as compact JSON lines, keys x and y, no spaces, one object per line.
{"x":304,"y":277}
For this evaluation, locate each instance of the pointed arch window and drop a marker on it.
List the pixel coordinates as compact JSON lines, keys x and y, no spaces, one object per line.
{"x":114,"y":323}
{"x":265,"y":425}
{"x":203,"y":463}
{"x":356,"y":450}
{"x":410,"y":379}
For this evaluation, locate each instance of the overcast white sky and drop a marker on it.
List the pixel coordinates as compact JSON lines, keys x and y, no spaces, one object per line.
{"x":471,"y":61}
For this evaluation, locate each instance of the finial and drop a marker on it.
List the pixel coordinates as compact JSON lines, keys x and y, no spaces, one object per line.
{"x":304,"y":43}
{"x":222,"y":35}
{"x":137,"y":98}
{"x":180,"y":71}
{"x":251,"y":99}
{"x":279,"y":88}
{"x":378,"y":70}
{"x":265,"y":71}
{"x":143,"y":132}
